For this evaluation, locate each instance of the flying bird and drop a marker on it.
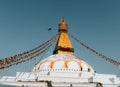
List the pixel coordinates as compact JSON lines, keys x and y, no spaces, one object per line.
{"x":49,"y":29}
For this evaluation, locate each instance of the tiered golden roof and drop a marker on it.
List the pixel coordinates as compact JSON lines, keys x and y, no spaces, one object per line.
{"x":63,"y":45}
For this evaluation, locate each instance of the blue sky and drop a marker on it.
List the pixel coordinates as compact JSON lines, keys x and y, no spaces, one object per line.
{"x":24,"y":24}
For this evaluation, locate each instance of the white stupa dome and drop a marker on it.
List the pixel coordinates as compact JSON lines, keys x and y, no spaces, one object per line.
{"x":63,"y":62}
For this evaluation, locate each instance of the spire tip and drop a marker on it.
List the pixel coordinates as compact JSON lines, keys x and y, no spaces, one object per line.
{"x":62,"y":20}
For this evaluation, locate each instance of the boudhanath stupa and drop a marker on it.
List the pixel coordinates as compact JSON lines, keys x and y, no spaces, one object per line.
{"x":62,"y":69}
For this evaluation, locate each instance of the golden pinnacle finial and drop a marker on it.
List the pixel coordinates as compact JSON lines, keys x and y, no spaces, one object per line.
{"x":64,"y":45}
{"x":63,"y":26}
{"x":63,"y":20}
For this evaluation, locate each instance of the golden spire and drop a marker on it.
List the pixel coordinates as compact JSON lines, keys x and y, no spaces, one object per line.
{"x":63,"y":26}
{"x":63,"y":45}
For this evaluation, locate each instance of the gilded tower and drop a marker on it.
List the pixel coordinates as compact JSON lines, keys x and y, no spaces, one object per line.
{"x":63,"y":45}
